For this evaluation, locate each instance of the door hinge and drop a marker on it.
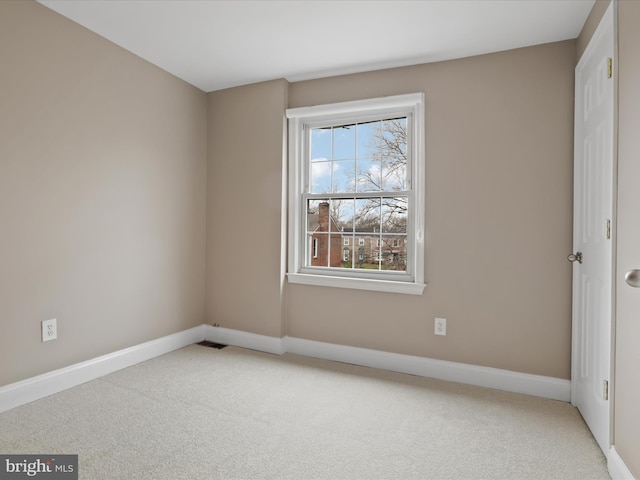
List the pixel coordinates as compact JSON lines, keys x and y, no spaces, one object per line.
{"x":606,"y":390}
{"x":608,"y":229}
{"x":609,"y":67}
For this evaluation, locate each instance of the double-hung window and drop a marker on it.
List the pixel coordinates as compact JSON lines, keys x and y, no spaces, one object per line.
{"x":356,"y":177}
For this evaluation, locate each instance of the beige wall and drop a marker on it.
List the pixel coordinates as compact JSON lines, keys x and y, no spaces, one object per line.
{"x":499,"y":149}
{"x":244,"y":208}
{"x":102,"y":195}
{"x":499,"y":175}
{"x":627,"y":387}
{"x":102,"y":191}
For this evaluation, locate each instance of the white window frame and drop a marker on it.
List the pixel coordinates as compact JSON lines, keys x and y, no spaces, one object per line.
{"x":300,"y":121}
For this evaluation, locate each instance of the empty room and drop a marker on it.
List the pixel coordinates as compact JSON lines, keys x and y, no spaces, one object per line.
{"x":316,"y":239}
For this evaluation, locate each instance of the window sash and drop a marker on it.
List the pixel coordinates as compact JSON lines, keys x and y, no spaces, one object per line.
{"x":375,"y":237}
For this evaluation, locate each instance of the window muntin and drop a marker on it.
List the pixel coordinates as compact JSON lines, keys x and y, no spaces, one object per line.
{"x":356,"y":176}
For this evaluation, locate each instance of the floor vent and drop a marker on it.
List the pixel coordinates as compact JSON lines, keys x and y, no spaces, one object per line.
{"x":206,"y":343}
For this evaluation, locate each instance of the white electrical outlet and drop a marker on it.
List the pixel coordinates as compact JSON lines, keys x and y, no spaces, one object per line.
{"x":49,"y":330}
{"x":440,"y":326}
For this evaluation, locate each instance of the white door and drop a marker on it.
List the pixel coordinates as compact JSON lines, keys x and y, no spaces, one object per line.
{"x":592,"y":232}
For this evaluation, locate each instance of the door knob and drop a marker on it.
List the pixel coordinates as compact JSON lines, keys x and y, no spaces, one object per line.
{"x":575,"y":257}
{"x":632,"y":278}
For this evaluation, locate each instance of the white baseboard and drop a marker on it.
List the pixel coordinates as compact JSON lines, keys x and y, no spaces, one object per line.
{"x":547,"y":387}
{"x":34,"y":388}
{"x":618,"y":470}
{"x":19,"y":393}
{"x":238,"y":338}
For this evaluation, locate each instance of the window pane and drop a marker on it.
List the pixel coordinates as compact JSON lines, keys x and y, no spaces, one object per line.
{"x":365,"y":133}
{"x":394,"y":137}
{"x":317,"y":216}
{"x":320,"y":181}
{"x":394,"y":175}
{"x":344,"y":142}
{"x":320,"y":144}
{"x":394,"y":215}
{"x":342,"y":211}
{"x":324,"y":240}
{"x":368,"y":172}
{"x":393,"y":253}
{"x":392,"y":150}
{"x":367,"y":215}
{"x":316,"y":249}
{"x":343,"y":176}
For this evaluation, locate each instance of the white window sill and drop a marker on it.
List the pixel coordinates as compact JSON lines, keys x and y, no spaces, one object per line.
{"x":407,"y":288}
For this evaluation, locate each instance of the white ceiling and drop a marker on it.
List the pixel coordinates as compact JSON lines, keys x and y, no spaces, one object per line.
{"x":215,"y":44}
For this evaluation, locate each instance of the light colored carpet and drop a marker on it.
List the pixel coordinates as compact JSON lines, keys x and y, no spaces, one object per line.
{"x":202,"y":413}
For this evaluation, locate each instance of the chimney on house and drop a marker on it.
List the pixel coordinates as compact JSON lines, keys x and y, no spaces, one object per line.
{"x":323,"y":217}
